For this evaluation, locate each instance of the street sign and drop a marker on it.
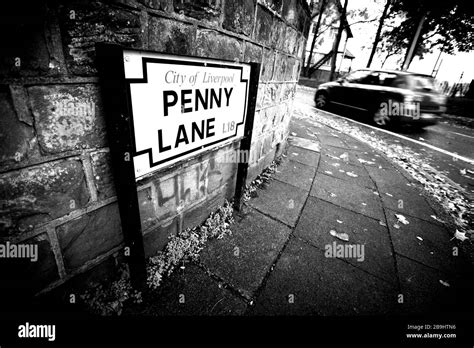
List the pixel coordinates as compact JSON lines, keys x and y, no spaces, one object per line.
{"x":182,"y":106}
{"x":162,"y":109}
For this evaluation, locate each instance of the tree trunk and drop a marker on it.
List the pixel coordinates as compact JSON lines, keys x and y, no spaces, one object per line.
{"x":379,"y":31}
{"x":410,"y":54}
{"x":337,"y":41}
{"x":315,"y":36}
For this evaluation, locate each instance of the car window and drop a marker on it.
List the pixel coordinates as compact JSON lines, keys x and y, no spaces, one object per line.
{"x":387,"y":79}
{"x":357,"y":76}
{"x":399,"y":82}
{"x":371,"y":79}
{"x":423,"y":83}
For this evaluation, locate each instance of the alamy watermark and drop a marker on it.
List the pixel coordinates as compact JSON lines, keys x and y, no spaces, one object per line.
{"x":395,"y":108}
{"x":345,"y":251}
{"x":28,"y":330}
{"x":20,"y":251}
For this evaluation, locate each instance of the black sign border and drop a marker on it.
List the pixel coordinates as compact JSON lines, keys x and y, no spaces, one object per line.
{"x":144,"y":79}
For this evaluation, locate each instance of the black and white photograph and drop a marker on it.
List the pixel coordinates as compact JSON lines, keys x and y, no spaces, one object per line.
{"x":237,"y":171}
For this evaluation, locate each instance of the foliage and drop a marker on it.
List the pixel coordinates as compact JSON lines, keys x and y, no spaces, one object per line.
{"x":449,"y":26}
{"x":188,"y":244}
{"x":109,"y":300}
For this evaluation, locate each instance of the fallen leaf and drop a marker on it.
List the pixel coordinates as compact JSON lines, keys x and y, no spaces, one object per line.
{"x":460,"y":235}
{"x":397,"y":226}
{"x":381,"y":223}
{"x":444,"y":283}
{"x":333,"y":194}
{"x":341,"y":236}
{"x":402,"y":219}
{"x":463,"y":171}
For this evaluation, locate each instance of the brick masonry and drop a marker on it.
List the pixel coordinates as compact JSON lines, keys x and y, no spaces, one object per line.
{"x":56,"y":183}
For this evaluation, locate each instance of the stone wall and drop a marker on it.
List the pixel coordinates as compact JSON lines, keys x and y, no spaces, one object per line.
{"x":56,"y":187}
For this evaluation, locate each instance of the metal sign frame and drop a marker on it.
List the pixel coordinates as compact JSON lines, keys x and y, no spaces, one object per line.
{"x":115,"y":89}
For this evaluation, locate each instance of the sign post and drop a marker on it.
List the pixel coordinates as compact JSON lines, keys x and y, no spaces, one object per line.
{"x":119,"y":129}
{"x":164,"y":109}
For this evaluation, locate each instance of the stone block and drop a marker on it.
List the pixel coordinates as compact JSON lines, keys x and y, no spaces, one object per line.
{"x":68,"y":117}
{"x":263,"y":26}
{"x":281,"y":67}
{"x":26,"y":276}
{"x":169,"y":36}
{"x":267,"y":65}
{"x":84,"y":23}
{"x":239,"y":15}
{"x":102,"y":171}
{"x":17,"y":138}
{"x":39,"y":194}
{"x":272,"y":94}
{"x":25,"y":50}
{"x":210,"y":43}
{"x":197,"y":215}
{"x":156,"y":239}
{"x":275,"y":5}
{"x":290,"y":12}
{"x":260,"y":96}
{"x":291,"y":40}
{"x":288,"y":91}
{"x":90,"y":236}
{"x":278,"y":32}
{"x":167,"y":192}
{"x":146,"y":206}
{"x":164,"y":5}
{"x":253,"y":53}
{"x":209,"y":11}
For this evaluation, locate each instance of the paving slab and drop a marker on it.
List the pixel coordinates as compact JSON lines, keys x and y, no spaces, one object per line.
{"x":330,"y":140}
{"x":308,"y":144}
{"x":320,"y":217}
{"x":387,"y":180}
{"x":424,"y":242}
{"x":301,"y":131}
{"x":244,"y":258}
{"x":338,"y":154}
{"x":295,"y":173}
{"x":422,"y":291}
{"x":305,"y":282}
{"x":343,"y":193}
{"x":408,"y":201}
{"x":298,"y":154}
{"x":356,"y":175}
{"x":281,"y":201}
{"x":191,"y":291}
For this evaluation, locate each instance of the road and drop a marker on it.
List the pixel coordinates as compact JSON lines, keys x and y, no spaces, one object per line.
{"x":450,"y":143}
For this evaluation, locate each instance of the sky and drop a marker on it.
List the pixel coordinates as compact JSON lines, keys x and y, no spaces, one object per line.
{"x":360,"y":45}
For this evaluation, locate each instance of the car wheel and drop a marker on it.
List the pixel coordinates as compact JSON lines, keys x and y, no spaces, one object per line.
{"x":322,"y":101}
{"x":380,"y":119}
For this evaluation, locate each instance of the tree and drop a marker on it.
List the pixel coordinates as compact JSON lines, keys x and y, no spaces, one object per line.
{"x":315,"y":36}
{"x":448,"y":26}
{"x":342,"y":23}
{"x":378,"y":34}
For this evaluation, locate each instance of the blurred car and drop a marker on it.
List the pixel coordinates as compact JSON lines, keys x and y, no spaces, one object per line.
{"x":387,"y":97}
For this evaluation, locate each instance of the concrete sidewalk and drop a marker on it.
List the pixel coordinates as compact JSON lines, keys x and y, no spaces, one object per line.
{"x":288,"y":253}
